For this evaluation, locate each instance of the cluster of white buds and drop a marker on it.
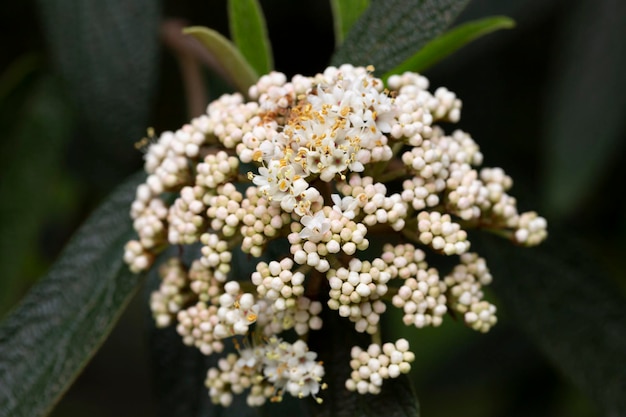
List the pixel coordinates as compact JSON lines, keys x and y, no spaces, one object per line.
{"x":422,"y":295}
{"x":465,"y":284}
{"x":377,"y":363}
{"x":289,"y":194}
{"x":356,"y":292}
{"x":173,"y":292}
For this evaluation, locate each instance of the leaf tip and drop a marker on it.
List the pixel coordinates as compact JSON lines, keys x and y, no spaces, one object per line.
{"x":505,"y":22}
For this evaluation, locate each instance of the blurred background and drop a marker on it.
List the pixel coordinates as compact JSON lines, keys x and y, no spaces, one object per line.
{"x":81,"y":81}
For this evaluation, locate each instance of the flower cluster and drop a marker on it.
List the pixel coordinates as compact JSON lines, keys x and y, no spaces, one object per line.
{"x":267,"y":371}
{"x":335,"y":187}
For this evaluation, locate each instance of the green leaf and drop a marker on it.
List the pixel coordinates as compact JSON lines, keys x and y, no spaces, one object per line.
{"x":31,"y":160}
{"x":575,"y":315}
{"x":18,"y":71}
{"x":389,"y":32}
{"x":584,"y":117}
{"x":448,"y":43}
{"x":345,"y":13}
{"x":108,"y":56}
{"x":47,"y":340}
{"x":242,"y":75}
{"x":249,"y":32}
{"x":333,"y":344}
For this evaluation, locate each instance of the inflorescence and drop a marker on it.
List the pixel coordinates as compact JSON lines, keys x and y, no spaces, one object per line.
{"x":318,"y":166}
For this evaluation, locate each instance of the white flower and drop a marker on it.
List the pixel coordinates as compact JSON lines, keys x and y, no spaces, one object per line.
{"x":296,"y":193}
{"x":345,"y":205}
{"x":314,"y":227}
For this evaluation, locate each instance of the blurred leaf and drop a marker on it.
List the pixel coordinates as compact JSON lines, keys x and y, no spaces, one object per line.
{"x":16,"y":73}
{"x":249,"y":32}
{"x":333,"y":344}
{"x":47,"y":340}
{"x":228,"y":56}
{"x":345,"y":13}
{"x":449,"y":42}
{"x":31,"y":160}
{"x":389,"y":32}
{"x":107,"y":53}
{"x":585,"y":107}
{"x":570,"y":310}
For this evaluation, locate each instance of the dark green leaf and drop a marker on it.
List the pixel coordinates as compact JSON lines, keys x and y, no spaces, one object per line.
{"x":17,"y":73}
{"x":31,"y":157}
{"x":571,"y":311}
{"x":227,"y":55}
{"x":345,"y":13}
{"x":585,"y":106}
{"x":59,"y":325}
{"x":249,"y":33}
{"x":448,"y":43}
{"x":107,"y":53}
{"x":333,"y":344}
{"x":389,"y":32}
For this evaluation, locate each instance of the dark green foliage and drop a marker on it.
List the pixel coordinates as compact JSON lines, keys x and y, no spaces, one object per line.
{"x":389,"y":32}
{"x":449,"y":42}
{"x":584,"y":131}
{"x":48,"y":339}
{"x":106,"y":54}
{"x":38,"y":130}
{"x":571,"y":310}
{"x":345,"y":13}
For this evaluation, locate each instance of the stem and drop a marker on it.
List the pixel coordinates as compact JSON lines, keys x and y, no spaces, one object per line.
{"x":325,"y":190}
{"x":411,"y":235}
{"x":489,"y":227}
{"x":316,"y":283}
{"x":392,"y":175}
{"x":195,"y":89}
{"x":376,"y":337}
{"x":382,"y":166}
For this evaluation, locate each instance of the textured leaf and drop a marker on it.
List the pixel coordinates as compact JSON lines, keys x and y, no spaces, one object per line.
{"x":107,"y":53}
{"x":585,"y":110}
{"x":249,"y":32}
{"x":389,"y":32}
{"x":446,"y":44}
{"x":333,"y":344}
{"x":571,"y":311}
{"x":230,"y":59}
{"x":48,"y":339}
{"x":345,"y":13}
